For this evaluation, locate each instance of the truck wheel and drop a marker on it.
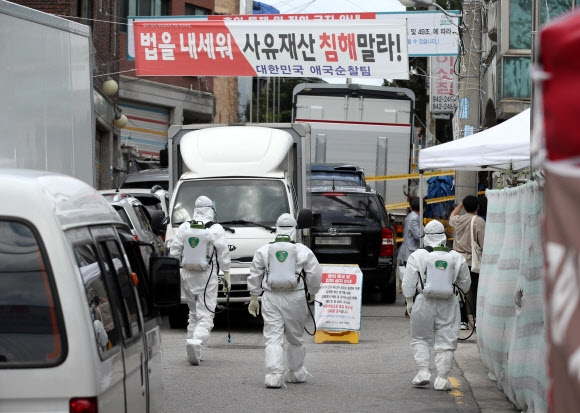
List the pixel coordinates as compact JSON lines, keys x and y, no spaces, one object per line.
{"x":389,"y":293}
{"x":177,"y":317}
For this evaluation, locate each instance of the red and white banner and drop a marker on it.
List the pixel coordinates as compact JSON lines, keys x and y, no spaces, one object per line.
{"x":339,"y":49}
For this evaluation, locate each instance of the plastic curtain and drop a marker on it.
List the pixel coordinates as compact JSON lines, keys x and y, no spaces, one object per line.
{"x":510,"y":303}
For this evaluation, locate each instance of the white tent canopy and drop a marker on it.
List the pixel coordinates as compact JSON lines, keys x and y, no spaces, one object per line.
{"x":491,"y":149}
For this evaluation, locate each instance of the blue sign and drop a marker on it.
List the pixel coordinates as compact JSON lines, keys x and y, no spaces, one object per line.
{"x":464,"y":108}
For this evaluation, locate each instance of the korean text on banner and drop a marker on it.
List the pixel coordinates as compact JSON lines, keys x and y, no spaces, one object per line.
{"x":339,"y":49}
{"x":429,"y":33}
{"x":341,"y":297}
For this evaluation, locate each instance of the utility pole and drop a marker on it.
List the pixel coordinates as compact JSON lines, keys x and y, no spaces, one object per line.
{"x":469,"y":90}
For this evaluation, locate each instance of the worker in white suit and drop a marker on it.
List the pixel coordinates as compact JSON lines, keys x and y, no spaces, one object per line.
{"x":201,"y":244}
{"x":435,"y":315}
{"x":282,"y":270}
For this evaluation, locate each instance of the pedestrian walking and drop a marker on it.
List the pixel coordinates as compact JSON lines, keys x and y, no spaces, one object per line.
{"x":411,"y":238}
{"x":288,"y":274}
{"x":465,"y":225}
{"x":201,"y":245}
{"x":435,"y":315}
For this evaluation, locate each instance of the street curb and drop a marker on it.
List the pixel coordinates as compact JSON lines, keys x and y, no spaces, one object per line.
{"x":489,"y":397}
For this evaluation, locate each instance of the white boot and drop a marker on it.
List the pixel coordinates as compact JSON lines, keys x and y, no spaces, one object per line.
{"x":273,"y":380}
{"x":422,"y":378}
{"x":193,"y":348}
{"x":442,"y":383}
{"x":296,"y":376}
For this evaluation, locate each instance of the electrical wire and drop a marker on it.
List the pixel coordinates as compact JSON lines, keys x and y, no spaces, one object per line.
{"x":115,"y":73}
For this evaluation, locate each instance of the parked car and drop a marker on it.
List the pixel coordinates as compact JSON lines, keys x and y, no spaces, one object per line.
{"x":155,"y":200}
{"x":140,"y":221}
{"x":79,"y":310}
{"x":351,"y":226}
{"x":336,"y":174}
{"x":146,"y":179}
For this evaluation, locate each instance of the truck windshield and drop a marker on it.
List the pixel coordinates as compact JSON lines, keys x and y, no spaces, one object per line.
{"x":254,"y":200}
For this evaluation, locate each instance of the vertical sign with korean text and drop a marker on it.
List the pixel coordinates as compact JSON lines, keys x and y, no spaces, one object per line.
{"x":444,"y":85}
{"x":341,"y":297}
{"x":334,"y":49}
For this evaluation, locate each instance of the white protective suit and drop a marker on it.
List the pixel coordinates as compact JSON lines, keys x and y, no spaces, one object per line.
{"x":285,"y":311}
{"x":201,"y":300}
{"x":434,"y":321}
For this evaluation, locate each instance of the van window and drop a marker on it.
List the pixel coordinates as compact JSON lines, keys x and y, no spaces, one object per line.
{"x":117,"y":270}
{"x":98,"y":298}
{"x":31,"y":324}
{"x":133,"y":252}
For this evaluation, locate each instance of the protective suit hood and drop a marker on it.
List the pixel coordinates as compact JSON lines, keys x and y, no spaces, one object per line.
{"x":434,"y":234}
{"x":204,"y":210}
{"x":286,"y":225}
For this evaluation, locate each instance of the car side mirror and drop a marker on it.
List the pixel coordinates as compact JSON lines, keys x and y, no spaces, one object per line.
{"x":158,"y":223}
{"x":165,"y":282}
{"x":305,"y":219}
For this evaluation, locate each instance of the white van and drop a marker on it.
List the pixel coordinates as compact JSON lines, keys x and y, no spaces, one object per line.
{"x":78,"y":311}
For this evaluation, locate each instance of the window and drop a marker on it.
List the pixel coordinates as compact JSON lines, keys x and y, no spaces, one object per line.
{"x":31,"y":325}
{"x":133,"y":253}
{"x":255,"y":200}
{"x":141,"y":8}
{"x":336,"y":208}
{"x":192,"y":10}
{"x":142,"y":217}
{"x":100,"y":305}
{"x":116,"y":269}
{"x":85,"y":10}
{"x":121,"y":211}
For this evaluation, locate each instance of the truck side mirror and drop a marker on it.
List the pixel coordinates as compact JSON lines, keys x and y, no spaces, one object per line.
{"x":305,"y":219}
{"x":165,"y":282}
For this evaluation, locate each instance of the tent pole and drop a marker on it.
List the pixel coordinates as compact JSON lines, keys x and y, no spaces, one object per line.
{"x":421,"y":208}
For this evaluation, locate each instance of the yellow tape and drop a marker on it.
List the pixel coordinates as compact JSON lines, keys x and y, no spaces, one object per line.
{"x":397,"y":206}
{"x":407,"y":176}
{"x":442,"y":199}
{"x":429,"y":201}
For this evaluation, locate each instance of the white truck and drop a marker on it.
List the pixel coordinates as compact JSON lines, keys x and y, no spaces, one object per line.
{"x":367,"y":126}
{"x":46,"y":121}
{"x":253,"y":173}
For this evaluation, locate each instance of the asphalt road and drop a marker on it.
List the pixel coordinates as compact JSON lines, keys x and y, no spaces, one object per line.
{"x":371,"y":376}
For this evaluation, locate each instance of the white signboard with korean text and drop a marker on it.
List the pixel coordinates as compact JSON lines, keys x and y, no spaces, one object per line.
{"x":375,"y":49}
{"x":443,"y":85}
{"x":429,"y":33}
{"x":341,"y":297}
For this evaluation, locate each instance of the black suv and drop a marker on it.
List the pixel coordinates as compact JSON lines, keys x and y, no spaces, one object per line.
{"x":351,"y":226}
{"x":336,"y":174}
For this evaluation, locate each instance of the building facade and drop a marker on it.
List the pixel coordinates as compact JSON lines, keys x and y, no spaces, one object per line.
{"x":101,"y":17}
{"x":508,"y":52}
